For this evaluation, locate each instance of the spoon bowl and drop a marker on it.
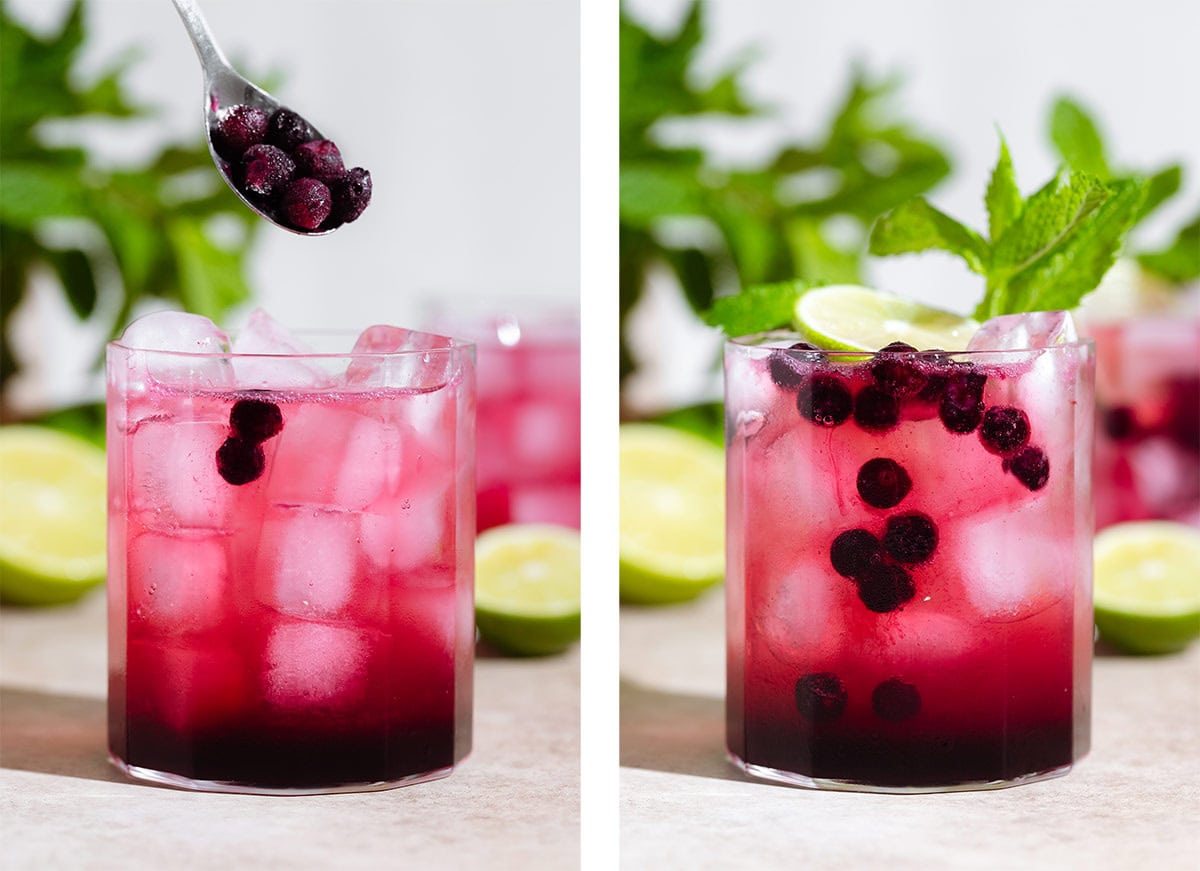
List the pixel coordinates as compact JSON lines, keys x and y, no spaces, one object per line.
{"x":224,"y":88}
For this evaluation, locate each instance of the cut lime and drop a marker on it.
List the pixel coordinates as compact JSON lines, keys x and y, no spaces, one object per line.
{"x":527,"y":588}
{"x":672,"y":533}
{"x":1147,"y":586}
{"x":52,"y":520}
{"x":846,"y":317}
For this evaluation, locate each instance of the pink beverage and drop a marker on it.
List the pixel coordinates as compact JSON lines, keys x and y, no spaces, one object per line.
{"x":291,"y":566}
{"x":1147,"y":464}
{"x":528,"y":416}
{"x":909,"y":564}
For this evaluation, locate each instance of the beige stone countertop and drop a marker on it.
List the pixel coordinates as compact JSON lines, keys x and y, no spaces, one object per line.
{"x":513,"y":804}
{"x":1132,"y":803}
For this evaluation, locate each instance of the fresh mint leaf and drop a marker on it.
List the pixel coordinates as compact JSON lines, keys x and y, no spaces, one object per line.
{"x":1163,"y":185}
{"x":1046,"y":252}
{"x":1061,"y":277}
{"x":917,"y":226}
{"x":1179,"y":262}
{"x":1048,"y":216}
{"x":1077,"y":138}
{"x":1003,"y":198}
{"x":756,"y":309}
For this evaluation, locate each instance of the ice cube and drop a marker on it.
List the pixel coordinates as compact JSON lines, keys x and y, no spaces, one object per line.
{"x":187,"y":335}
{"x":332,"y":455}
{"x":172,"y":473}
{"x":1021,"y":332}
{"x":1009,"y":565}
{"x":315,"y":664}
{"x":545,"y":436}
{"x":411,"y":531}
{"x":177,"y":583}
{"x":275,"y":359}
{"x":396,"y":357}
{"x":308,"y":560}
{"x":803,"y":611}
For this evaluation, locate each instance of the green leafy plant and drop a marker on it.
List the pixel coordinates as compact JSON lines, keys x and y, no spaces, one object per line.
{"x":1042,"y":252}
{"x":1077,"y":138}
{"x":748,"y":224}
{"x":155,"y":221}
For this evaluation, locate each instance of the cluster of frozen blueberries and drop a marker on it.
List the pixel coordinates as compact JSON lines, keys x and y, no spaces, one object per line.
{"x":880,"y":567}
{"x":277,"y":162}
{"x":240,"y":457}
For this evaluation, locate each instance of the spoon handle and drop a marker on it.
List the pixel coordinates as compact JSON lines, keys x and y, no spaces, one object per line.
{"x":206,"y":47}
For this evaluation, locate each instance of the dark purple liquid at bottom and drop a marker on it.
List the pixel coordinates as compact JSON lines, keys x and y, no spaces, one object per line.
{"x":829,"y":753}
{"x":281,"y":758}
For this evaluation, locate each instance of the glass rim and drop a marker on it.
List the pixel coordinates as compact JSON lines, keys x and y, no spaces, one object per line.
{"x":752,"y":341}
{"x":454,"y":346}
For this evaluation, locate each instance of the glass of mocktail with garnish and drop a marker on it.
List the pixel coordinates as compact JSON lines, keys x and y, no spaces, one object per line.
{"x":908,"y":563}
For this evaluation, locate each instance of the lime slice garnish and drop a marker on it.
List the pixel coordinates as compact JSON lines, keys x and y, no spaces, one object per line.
{"x":1147,"y":585}
{"x":52,"y":516}
{"x":527,"y":587}
{"x":847,"y":317}
{"x":672,"y":533}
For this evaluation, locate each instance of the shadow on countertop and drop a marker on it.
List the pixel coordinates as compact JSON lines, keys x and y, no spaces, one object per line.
{"x":54,"y":734}
{"x":675,"y":733}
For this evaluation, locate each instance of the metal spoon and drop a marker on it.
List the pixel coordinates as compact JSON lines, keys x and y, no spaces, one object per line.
{"x":225,"y":87}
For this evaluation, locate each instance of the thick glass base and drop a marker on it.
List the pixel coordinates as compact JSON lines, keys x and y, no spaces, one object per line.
{"x":166,"y":778}
{"x":801,"y":780}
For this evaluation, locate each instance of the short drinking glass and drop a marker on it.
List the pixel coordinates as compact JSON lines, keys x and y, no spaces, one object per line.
{"x":909,"y":564}
{"x":290,"y":567}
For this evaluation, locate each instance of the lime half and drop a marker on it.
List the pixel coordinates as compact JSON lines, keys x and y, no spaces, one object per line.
{"x":672,"y":533}
{"x":52,"y":516}
{"x":527,"y":588}
{"x":1147,"y":586}
{"x":847,"y":317}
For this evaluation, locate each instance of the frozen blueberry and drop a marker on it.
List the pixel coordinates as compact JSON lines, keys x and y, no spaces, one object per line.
{"x":265,"y":170}
{"x":876,"y":410}
{"x":240,"y":461}
{"x":319,"y":159}
{"x":255,"y":420}
{"x":351,"y":195}
{"x":241,"y":127}
{"x":885,"y":587}
{"x":788,"y":370}
{"x":894,"y":700}
{"x":1005,"y":430}
{"x":1183,"y":413}
{"x":286,"y":130}
{"x":820,"y":696}
{"x":910,"y":538}
{"x":896,"y":376}
{"x":854,"y":552}
{"x":961,"y":405}
{"x":1120,"y":423}
{"x":883,"y":483}
{"x":306,"y":203}
{"x":825,"y":400}
{"x":1030,"y":466}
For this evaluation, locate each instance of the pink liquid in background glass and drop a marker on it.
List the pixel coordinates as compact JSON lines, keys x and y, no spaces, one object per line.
{"x":528,"y":419}
{"x":308,"y":630}
{"x":1147,"y":464}
{"x":982,"y":676}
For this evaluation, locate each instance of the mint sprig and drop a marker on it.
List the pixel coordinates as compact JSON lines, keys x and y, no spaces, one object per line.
{"x":757,"y":309}
{"x":1042,"y":253}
